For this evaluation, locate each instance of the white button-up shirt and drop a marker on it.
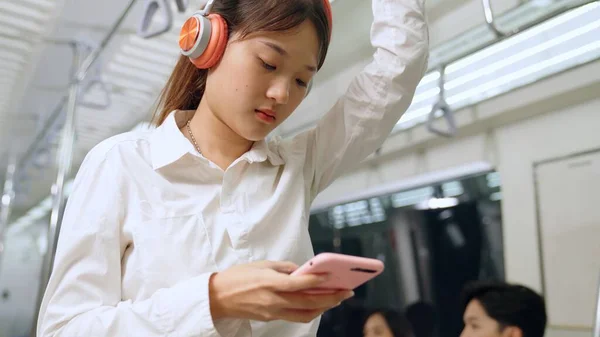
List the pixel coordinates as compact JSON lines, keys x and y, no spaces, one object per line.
{"x":149,"y":219}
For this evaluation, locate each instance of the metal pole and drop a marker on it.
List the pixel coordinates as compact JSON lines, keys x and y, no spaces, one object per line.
{"x":65,"y":156}
{"x":6,"y":203}
{"x":596,"y":332}
{"x":63,"y":159}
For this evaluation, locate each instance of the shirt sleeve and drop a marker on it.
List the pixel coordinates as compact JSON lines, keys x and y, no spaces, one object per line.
{"x":83,"y":296}
{"x":361,"y":120}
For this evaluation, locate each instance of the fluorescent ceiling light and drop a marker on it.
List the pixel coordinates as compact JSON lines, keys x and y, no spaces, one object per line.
{"x":22,"y":11}
{"x":43,"y":4}
{"x":136,"y":74}
{"x":525,"y":36}
{"x":437,"y":203}
{"x":18,"y":22}
{"x":143,"y":54}
{"x":555,"y":45}
{"x":592,"y":48}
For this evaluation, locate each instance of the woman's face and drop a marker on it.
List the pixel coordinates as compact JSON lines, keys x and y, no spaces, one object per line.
{"x":376,"y":326}
{"x":262,"y":79}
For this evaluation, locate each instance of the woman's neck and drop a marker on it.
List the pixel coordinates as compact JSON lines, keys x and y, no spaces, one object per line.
{"x":217,"y":141}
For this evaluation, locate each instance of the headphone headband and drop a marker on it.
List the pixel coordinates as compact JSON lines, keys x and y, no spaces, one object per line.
{"x":203,"y":36}
{"x":206,"y":8}
{"x":326,"y":4}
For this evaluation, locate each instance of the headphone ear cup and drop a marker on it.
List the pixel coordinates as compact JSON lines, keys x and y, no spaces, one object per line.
{"x":194,"y":36}
{"x":216,"y":44}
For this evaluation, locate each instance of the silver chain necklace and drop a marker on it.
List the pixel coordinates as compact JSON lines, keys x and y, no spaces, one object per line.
{"x":192,"y":136}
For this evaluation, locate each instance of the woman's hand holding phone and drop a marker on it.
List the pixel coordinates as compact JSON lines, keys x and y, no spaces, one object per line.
{"x":265,"y":291}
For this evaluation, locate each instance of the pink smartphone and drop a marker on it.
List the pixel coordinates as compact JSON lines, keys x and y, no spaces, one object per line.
{"x":346,"y":272}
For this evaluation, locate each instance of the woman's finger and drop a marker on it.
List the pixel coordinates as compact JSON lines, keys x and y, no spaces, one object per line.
{"x":285,"y":267}
{"x":287,"y":283}
{"x":313,"y":302}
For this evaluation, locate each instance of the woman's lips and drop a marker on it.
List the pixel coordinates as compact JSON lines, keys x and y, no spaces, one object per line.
{"x":267,"y":116}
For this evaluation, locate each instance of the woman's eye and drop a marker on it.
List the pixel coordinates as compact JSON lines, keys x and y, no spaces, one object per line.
{"x":301,"y":83}
{"x":268,"y":66}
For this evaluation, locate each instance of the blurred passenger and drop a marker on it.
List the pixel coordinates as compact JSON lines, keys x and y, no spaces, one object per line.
{"x":421,"y":316}
{"x":502,"y":310}
{"x":386,"y":323}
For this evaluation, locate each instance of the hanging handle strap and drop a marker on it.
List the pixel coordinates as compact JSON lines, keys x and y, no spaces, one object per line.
{"x":96,"y":82}
{"x":182,"y":5}
{"x":448,"y":115}
{"x":442,"y":106}
{"x":151,"y":8}
{"x":489,"y":19}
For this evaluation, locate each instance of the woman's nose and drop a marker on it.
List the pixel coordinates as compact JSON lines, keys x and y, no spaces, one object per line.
{"x":279,"y":91}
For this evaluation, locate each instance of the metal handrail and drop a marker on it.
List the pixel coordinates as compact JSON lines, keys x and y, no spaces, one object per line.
{"x":8,"y":195}
{"x":596,"y":332}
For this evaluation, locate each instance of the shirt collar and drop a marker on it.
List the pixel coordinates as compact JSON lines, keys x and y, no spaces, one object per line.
{"x":168,"y":144}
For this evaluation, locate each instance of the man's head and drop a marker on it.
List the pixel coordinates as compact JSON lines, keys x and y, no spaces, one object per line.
{"x":502,"y":310}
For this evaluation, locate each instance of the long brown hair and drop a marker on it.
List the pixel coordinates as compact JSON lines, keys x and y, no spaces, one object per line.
{"x":186,"y":85}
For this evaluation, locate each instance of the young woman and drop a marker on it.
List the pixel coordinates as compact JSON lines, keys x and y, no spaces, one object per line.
{"x":184,"y":230}
{"x":386,"y":323}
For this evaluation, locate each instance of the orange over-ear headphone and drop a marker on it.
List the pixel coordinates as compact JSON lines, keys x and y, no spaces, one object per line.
{"x":203,"y":36}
